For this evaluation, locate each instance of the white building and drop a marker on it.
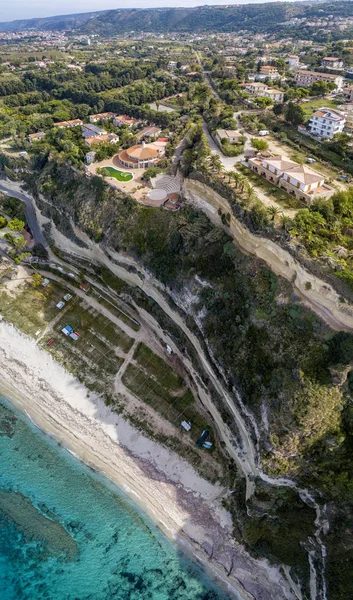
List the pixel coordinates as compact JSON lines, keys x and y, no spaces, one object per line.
{"x":331,"y":62}
{"x":293,"y":61}
{"x":326,"y":122}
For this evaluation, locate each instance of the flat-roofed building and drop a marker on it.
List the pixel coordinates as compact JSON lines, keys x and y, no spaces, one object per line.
{"x":269,"y":71}
{"x":326,"y":122}
{"x":331,"y":62}
{"x":347,"y":93}
{"x":261,"y":90}
{"x":307,"y":78}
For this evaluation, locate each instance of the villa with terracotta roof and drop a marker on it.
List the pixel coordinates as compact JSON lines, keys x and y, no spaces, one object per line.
{"x":231,"y":135}
{"x":269,"y":70}
{"x":142,"y":156}
{"x":35,"y":137}
{"x":108,"y":138}
{"x":297,"y":180}
{"x":125,"y":120}
{"x":102,"y":117}
{"x":66,"y":124}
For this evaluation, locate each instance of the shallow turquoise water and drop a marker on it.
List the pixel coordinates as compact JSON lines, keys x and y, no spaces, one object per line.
{"x":68,"y":534}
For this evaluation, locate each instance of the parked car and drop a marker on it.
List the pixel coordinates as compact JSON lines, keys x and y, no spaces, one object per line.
{"x":50,"y":342}
{"x":310,"y":160}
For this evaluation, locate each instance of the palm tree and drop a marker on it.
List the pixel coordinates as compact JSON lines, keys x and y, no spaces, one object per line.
{"x":250,"y":190}
{"x":236,"y":178}
{"x":216,"y":163}
{"x":285,"y":220}
{"x":273,"y":211}
{"x":241,"y":182}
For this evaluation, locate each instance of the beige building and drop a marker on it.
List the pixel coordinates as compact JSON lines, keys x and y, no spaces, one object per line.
{"x":331,"y":62}
{"x":125,"y":120}
{"x":35,"y":137}
{"x":269,"y":70}
{"x":262,"y":90}
{"x":307,"y":78}
{"x":67,"y":124}
{"x":297,"y":180}
{"x":105,"y":138}
{"x":101,"y":117}
{"x":347,"y":93}
{"x":231,"y":135}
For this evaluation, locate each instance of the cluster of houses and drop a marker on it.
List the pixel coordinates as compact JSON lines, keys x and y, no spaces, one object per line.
{"x":300,"y":181}
{"x":90,"y":132}
{"x":138,"y":156}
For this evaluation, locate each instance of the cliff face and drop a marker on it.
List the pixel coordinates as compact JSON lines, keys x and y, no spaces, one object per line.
{"x":263,"y":341}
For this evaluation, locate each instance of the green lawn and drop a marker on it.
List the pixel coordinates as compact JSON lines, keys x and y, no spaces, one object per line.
{"x":309,"y":107}
{"x":123,"y":176}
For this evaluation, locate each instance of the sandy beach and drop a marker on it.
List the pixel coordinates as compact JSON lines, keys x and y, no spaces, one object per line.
{"x":184,"y":505}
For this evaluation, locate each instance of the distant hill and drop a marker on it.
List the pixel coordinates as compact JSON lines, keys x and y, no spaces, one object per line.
{"x":253,"y":17}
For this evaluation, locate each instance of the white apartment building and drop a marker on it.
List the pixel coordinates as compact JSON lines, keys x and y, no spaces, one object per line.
{"x":326,"y":122}
{"x":307,"y":78}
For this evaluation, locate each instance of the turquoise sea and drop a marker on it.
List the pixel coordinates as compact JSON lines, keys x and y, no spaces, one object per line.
{"x":66,"y":533}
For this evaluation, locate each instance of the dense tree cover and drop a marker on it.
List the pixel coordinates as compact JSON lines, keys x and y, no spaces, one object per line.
{"x":326,"y":230}
{"x":196,"y":19}
{"x":36,"y":99}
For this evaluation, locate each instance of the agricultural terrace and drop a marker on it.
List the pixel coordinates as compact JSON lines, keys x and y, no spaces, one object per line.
{"x":111,"y":359}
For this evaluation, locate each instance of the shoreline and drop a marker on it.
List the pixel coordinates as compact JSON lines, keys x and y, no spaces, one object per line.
{"x":184,"y":506}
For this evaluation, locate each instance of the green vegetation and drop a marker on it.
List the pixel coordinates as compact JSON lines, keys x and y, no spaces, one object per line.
{"x":313,"y":104}
{"x":157,"y":367}
{"x":326,"y":231}
{"x":198,"y":19}
{"x":119,"y":175}
{"x":259,"y":144}
{"x":154,"y":382}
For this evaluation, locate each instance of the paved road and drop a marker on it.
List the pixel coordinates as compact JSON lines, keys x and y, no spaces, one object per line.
{"x":30,"y":213}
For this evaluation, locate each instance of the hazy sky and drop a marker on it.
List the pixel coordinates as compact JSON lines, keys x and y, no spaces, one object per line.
{"x":26,"y":9}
